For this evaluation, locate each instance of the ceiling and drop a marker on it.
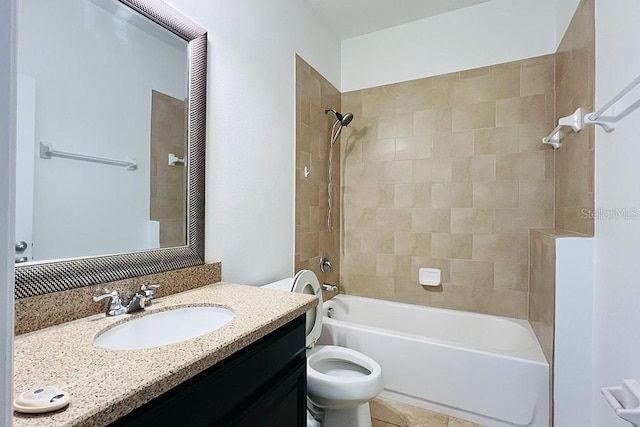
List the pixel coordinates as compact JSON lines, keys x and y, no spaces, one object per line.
{"x":350,"y":18}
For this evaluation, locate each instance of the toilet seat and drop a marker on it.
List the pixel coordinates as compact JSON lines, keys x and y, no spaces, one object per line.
{"x":341,"y":354}
{"x":306,"y":282}
{"x":336,"y":386}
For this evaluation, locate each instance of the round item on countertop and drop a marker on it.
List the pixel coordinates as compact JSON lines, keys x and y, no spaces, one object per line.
{"x":41,"y":399}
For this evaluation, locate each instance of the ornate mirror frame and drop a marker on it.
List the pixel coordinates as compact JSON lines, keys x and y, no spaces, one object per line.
{"x":41,"y":278}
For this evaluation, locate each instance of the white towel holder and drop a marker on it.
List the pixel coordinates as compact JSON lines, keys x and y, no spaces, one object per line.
{"x":608,"y":123}
{"x":47,"y":152}
{"x":574,"y":121}
{"x":625,"y":400}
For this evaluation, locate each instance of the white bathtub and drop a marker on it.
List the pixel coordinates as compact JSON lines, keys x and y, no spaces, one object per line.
{"x":486,"y":369}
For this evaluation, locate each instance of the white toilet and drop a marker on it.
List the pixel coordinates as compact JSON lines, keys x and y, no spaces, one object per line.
{"x":340,"y":381}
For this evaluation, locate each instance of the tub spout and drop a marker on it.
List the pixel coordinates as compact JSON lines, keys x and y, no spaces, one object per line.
{"x":330,"y":288}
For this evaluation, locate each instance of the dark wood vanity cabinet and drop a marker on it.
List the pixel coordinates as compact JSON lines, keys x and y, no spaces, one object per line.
{"x":263,"y":384}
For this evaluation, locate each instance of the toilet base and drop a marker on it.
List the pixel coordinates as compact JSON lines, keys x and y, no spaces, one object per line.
{"x":359,"y":416}
{"x":312,"y":422}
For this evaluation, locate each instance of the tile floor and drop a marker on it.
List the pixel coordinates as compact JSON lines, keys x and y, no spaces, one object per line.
{"x":389,"y":413}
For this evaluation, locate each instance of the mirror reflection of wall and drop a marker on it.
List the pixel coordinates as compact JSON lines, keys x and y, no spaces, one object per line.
{"x":89,"y":69}
{"x":168,"y":153}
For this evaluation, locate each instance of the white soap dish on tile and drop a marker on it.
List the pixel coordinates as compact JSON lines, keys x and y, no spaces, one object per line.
{"x":429,"y":276}
{"x":625,"y":400}
{"x":41,"y":399}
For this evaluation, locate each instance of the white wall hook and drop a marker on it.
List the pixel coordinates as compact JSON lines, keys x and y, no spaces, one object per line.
{"x":306,"y":172}
{"x":625,"y":400}
{"x":173,"y":160}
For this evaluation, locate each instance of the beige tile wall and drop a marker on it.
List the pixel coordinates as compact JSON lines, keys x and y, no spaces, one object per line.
{"x":575,"y":74}
{"x":168,"y":203}
{"x":314,"y":94}
{"x":542,"y":287}
{"x":449,"y":172}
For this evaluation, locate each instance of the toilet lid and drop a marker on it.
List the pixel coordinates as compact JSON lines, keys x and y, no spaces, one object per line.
{"x":306,"y":282}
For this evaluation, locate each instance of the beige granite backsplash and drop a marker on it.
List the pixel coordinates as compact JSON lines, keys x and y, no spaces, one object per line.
{"x":47,"y":310}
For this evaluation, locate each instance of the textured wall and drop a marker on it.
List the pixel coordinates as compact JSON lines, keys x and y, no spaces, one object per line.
{"x":449,"y":172}
{"x":313,"y":132}
{"x":575,"y":74}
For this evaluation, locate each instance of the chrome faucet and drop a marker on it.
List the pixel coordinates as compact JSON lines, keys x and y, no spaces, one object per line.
{"x":115,"y":308}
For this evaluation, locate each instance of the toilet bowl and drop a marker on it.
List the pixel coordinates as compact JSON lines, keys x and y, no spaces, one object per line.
{"x":340,"y":381}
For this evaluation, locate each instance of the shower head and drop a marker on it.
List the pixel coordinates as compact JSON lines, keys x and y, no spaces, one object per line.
{"x":344,"y":120}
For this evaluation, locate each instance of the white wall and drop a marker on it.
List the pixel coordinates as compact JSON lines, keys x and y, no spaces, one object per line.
{"x":565,"y":9}
{"x":617,"y":279}
{"x":251,"y":128}
{"x":67,"y":46}
{"x":7,"y":175}
{"x":573,"y":335}
{"x":489,"y":33}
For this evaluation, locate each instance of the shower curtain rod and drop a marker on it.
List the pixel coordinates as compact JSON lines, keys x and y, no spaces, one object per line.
{"x":578,"y":119}
{"x":599,"y":114}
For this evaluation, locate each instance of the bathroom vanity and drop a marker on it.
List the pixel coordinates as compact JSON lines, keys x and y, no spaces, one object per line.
{"x":252,"y":371}
{"x":263,"y":384}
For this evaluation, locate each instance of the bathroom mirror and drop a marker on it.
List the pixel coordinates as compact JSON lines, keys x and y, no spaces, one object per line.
{"x":111,"y":136}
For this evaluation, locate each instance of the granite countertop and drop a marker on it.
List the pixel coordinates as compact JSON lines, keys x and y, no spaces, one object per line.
{"x":107,"y":384}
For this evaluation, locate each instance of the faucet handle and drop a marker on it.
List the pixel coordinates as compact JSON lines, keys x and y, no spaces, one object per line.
{"x":114,"y":295}
{"x":325,"y":263}
{"x":115,"y":306}
{"x":149,"y":290}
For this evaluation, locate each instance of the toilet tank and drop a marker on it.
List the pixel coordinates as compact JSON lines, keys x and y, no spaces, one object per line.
{"x":282,"y":285}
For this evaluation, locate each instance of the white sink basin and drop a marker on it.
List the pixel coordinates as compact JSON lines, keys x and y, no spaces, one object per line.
{"x":163,"y":328}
